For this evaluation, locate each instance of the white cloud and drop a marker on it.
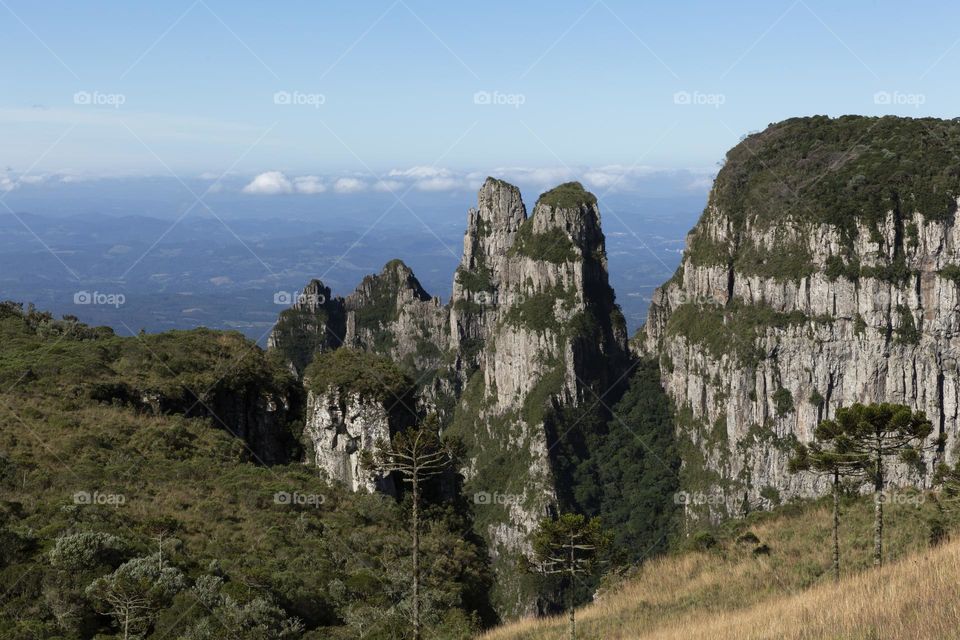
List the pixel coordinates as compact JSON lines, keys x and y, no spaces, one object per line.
{"x":10,"y":180}
{"x":269,"y":183}
{"x":349,"y":185}
{"x":420,"y":172}
{"x":309,"y":185}
{"x":615,"y":175}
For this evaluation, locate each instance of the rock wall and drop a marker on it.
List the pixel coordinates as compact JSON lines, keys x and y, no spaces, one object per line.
{"x":315,"y":322}
{"x":339,"y":427}
{"x":391,"y":314}
{"x":535,"y":327}
{"x":754,"y":361}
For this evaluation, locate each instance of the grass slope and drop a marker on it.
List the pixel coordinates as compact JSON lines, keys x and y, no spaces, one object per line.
{"x":283,"y":542}
{"x":733,"y":591}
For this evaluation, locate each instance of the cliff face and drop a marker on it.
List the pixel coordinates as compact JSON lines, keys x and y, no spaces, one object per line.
{"x":491,"y":228}
{"x":794,"y":300}
{"x":339,"y":427}
{"x":313,"y":324}
{"x":532,"y":330}
{"x":533,"y":315}
{"x":355,"y":398}
{"x":391,"y":314}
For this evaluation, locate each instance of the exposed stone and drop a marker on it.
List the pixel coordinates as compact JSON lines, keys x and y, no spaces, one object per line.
{"x":391,"y":314}
{"x":315,"y":323}
{"x":839,"y":341}
{"x":339,"y":428}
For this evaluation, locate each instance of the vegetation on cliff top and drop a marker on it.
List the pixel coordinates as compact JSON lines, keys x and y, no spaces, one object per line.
{"x":181,"y":368}
{"x":567,"y":196}
{"x":844,"y":172}
{"x":354,"y":371}
{"x":840,"y":170}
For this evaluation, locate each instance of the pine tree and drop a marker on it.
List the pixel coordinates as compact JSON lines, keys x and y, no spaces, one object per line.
{"x":416,"y":454}
{"x":876,"y":432}
{"x":569,"y":546}
{"x":826,"y":456}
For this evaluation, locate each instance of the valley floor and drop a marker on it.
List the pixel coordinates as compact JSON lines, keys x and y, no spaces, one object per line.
{"x":733,"y":593}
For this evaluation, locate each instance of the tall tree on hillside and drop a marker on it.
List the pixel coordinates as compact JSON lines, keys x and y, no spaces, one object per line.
{"x":569,"y":546}
{"x":825,"y":455}
{"x":416,"y":454}
{"x":946,"y":499}
{"x":876,"y":432}
{"x":135,"y":592}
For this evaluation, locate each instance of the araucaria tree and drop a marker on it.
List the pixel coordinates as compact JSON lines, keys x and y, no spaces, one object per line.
{"x":134,"y":593}
{"x":416,"y":455}
{"x":825,"y":455}
{"x":569,"y":546}
{"x":877,"y":432}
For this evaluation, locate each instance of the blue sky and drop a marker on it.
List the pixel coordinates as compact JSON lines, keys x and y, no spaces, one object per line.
{"x":335,"y":96}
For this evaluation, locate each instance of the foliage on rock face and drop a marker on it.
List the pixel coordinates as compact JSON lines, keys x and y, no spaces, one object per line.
{"x":841,"y":170}
{"x":378,"y":303}
{"x":251,"y":552}
{"x":475,"y":280}
{"x":730,"y":330}
{"x":782,"y":401}
{"x":553,"y":245}
{"x":315,"y":323}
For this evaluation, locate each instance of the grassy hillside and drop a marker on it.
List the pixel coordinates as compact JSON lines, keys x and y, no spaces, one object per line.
{"x":94,"y":485}
{"x":769,"y":577}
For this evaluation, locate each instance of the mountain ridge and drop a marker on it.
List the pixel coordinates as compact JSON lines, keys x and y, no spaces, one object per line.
{"x":532,"y":327}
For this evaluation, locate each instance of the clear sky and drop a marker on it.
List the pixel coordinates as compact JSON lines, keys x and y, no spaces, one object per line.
{"x":317,"y":90}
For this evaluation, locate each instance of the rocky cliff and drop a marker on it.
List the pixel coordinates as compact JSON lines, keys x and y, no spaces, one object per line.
{"x":534,"y":317}
{"x":315,"y":323}
{"x":391,"y":314}
{"x":531,"y":337}
{"x":354,"y":400}
{"x":388,"y":313}
{"x":823,"y":272}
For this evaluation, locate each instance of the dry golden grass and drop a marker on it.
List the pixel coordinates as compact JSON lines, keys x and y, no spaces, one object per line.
{"x":733,"y":595}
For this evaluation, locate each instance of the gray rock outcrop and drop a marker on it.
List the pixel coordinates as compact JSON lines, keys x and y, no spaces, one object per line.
{"x":339,"y":427}
{"x":772,"y":323}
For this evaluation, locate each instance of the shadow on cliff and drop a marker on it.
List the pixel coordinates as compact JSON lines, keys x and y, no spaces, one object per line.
{"x":616,"y":457}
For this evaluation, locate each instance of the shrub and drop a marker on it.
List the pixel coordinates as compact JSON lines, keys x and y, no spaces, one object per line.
{"x":704,"y":541}
{"x":816,"y":399}
{"x":748,"y":538}
{"x":354,"y":371}
{"x":552,"y":245}
{"x":782,"y":401}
